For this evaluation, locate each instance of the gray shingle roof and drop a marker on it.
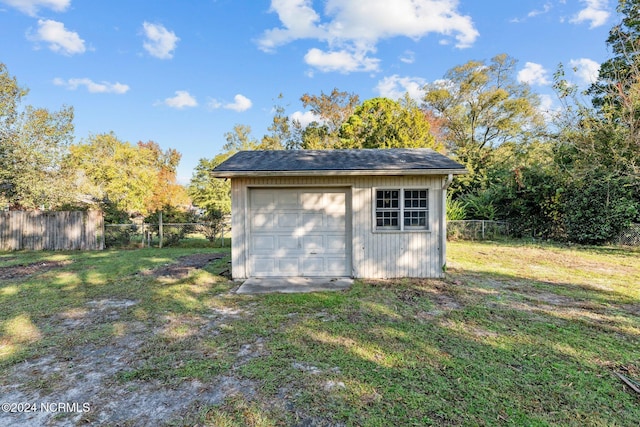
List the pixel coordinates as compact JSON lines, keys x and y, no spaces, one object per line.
{"x":412,"y":161}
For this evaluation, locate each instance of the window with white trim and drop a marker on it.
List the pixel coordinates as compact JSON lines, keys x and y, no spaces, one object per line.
{"x":402,"y":209}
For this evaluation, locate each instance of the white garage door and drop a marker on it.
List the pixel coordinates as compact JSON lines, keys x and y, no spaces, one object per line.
{"x":298,"y":232}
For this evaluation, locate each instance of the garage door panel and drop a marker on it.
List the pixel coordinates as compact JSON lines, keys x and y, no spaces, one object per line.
{"x":287,"y":220}
{"x":264,"y":243}
{"x":288,"y":242}
{"x":263,"y":199}
{"x":298,"y":232}
{"x":335,"y":243}
{"x":288,"y":266}
{"x":335,"y":202}
{"x":312,"y":201}
{"x":265,"y":221}
{"x":335,"y":222}
{"x":287,"y":199}
{"x":313,"y":266}
{"x":335,"y":265}
{"x":263,"y":266}
{"x":313,"y":221}
{"x":313,"y":243}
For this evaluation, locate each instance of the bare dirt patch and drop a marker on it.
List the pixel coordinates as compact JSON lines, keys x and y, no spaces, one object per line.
{"x":184,"y":266}
{"x":414,"y":292}
{"x":24,"y":270}
{"x":86,"y":374}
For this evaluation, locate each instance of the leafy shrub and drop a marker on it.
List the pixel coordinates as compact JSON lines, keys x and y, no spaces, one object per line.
{"x":456,"y":209}
{"x":597,"y":209}
{"x":480,"y":205}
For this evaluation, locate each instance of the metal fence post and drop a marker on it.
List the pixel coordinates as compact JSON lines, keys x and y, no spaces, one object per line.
{"x":160,"y":229}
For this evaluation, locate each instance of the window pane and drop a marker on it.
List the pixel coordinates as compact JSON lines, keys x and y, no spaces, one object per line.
{"x":416,"y":208}
{"x":414,"y":211}
{"x":387,"y":209}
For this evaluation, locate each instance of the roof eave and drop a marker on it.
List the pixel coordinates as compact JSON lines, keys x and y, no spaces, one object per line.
{"x":243,"y":174}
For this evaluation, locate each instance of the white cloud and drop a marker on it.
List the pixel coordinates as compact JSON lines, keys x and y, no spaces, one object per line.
{"x":409,"y":57}
{"x":31,"y":7}
{"x":352,"y":28}
{"x":585,"y":69}
{"x":533,"y":74}
{"x":240,"y":103}
{"x":159,"y":42}
{"x":395,"y":87}
{"x":182,"y":100}
{"x":299,"y":21}
{"x":596,"y":12}
{"x":376,"y":19}
{"x":213,"y":104}
{"x":93,"y":87}
{"x":60,"y":39}
{"x":342,"y":61}
{"x":545,"y":9}
{"x":305,"y":118}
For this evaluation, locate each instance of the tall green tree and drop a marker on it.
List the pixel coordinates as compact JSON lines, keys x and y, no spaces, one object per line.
{"x":33,"y":145}
{"x":332,"y":110}
{"x":616,"y":93}
{"x":209,"y":193}
{"x":282,"y":130}
{"x":114,"y":173}
{"x":239,"y":139}
{"x":618,"y":75}
{"x":384,"y":123}
{"x":598,"y":146}
{"x":166,"y":194}
{"x":214,"y":194}
{"x":483,"y":106}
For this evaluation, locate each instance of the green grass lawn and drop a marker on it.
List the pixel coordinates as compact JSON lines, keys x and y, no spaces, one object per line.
{"x":516,"y":334}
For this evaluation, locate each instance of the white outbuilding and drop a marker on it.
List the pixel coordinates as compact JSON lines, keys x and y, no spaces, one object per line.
{"x":338,"y":213}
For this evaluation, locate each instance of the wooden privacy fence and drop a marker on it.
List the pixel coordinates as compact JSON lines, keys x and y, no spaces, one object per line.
{"x":51,"y":230}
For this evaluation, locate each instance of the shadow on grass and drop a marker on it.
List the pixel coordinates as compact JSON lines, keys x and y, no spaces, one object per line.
{"x":484,"y":362}
{"x":49,"y":298}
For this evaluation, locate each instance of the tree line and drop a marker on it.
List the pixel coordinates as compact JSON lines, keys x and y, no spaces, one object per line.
{"x":40,"y":167}
{"x":572,"y":174}
{"x":569,"y":175}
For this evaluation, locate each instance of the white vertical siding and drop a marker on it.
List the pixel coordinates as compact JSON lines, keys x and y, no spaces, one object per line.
{"x":395,"y":254}
{"x":374,"y":254}
{"x":238,"y":228}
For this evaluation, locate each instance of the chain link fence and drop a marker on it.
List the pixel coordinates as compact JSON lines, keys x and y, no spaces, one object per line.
{"x":629,"y":236}
{"x":492,"y":230}
{"x":218,"y":233}
{"x":477,"y":230}
{"x":169,"y":234}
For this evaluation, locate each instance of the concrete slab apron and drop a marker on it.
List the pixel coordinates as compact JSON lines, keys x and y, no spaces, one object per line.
{"x":262,"y":285}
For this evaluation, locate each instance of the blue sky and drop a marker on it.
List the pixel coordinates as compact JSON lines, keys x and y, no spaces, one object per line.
{"x":184,"y":72}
